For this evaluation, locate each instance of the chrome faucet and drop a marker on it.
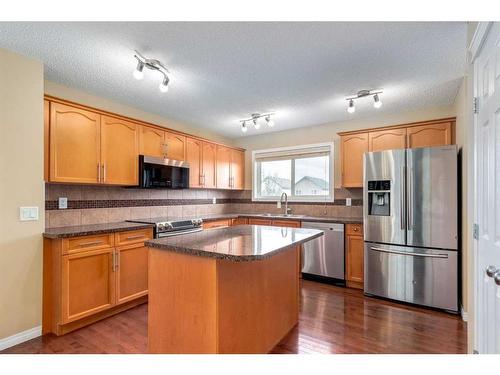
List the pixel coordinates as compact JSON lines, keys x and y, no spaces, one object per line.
{"x":286,"y":210}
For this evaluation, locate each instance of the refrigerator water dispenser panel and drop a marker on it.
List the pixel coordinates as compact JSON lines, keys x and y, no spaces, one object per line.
{"x":379,"y":198}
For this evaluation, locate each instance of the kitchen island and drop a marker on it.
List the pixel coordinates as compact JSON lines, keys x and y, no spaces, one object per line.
{"x":230,"y":290}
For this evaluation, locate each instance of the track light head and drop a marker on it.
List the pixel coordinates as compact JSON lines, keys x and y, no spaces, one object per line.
{"x":138,"y":73}
{"x":244,"y":128}
{"x":164,"y":84}
{"x":351,"y":108}
{"x":376,"y":101}
{"x":256,"y":124}
{"x":270,"y":122}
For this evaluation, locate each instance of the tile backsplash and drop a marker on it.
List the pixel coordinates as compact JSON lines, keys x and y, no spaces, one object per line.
{"x":101,"y":204}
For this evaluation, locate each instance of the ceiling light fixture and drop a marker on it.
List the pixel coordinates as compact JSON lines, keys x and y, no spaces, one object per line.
{"x":377,"y":103}
{"x":153,"y":65}
{"x":254,"y":118}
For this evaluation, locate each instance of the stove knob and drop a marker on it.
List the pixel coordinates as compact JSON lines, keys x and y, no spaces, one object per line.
{"x":168,"y":226}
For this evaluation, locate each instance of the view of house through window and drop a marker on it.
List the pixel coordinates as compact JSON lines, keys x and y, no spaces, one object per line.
{"x":304,"y":173}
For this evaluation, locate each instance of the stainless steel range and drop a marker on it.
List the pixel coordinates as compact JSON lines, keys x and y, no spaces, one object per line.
{"x":166,"y":226}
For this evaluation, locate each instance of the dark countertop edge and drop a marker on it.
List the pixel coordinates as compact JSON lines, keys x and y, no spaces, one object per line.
{"x":93,"y":229}
{"x":230,"y":257}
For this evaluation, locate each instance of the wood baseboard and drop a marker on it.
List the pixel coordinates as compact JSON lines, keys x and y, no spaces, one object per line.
{"x":62,"y":329}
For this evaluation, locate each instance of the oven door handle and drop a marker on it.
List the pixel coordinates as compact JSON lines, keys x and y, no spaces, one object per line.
{"x":443,"y":256}
{"x":178,"y":233}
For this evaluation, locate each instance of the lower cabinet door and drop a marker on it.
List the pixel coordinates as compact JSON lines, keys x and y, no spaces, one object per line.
{"x":88,"y":283}
{"x":355,"y":258}
{"x":132,"y":272}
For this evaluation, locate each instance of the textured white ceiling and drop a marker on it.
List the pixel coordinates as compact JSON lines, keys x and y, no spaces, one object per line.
{"x":222,"y":72}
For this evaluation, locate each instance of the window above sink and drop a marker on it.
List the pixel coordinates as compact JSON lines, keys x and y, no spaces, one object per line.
{"x":304,"y":173}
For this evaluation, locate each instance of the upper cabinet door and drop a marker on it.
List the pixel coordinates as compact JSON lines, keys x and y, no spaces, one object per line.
{"x":223,"y":167}
{"x":119,"y":152}
{"x":237,"y":169}
{"x":193,"y":157}
{"x":389,"y":139}
{"x":46,"y":137}
{"x":74,"y":144}
{"x":209,"y":165}
{"x":353,"y":147}
{"x":175,"y":146}
{"x":151,"y":141}
{"x":430,"y":135}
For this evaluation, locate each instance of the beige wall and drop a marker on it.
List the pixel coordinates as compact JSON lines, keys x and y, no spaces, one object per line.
{"x":78,"y":96}
{"x":21,"y":151}
{"x":328,"y":133}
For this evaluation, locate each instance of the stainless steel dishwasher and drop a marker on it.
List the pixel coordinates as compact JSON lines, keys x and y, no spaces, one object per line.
{"x":324,"y":256}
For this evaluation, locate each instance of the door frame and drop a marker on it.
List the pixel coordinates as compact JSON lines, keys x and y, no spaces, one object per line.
{"x":474,"y":49}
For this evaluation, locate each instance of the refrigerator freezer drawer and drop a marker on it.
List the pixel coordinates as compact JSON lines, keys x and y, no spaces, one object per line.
{"x":422,"y":276}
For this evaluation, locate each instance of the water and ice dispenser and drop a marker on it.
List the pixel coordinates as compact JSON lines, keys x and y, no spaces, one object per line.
{"x":379,"y":198}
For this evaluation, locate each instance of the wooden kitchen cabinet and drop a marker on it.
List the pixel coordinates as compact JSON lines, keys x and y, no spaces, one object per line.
{"x":237,"y":169}
{"x":194,"y":150}
{"x":151,"y":141}
{"x":286,"y":223}
{"x":223,"y":167}
{"x":119,"y":152}
{"x":132,"y":272}
{"x":88,"y":284}
{"x":209,"y":165}
{"x":175,"y":146}
{"x":389,"y":139}
{"x":74,"y":144}
{"x":430,"y":135}
{"x":240,"y":221}
{"x":89,"y":278}
{"x":223,"y":223}
{"x":354,"y":249}
{"x":46,"y":137}
{"x":352,"y":149}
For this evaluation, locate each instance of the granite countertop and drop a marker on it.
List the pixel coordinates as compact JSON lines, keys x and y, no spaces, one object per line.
{"x":87,"y":230}
{"x":239,"y":243}
{"x":323,"y":219}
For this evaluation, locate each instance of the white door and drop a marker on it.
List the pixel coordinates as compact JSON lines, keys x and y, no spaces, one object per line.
{"x":487,"y":144}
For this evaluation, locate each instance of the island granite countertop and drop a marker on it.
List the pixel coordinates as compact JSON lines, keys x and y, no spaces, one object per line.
{"x":239,"y":243}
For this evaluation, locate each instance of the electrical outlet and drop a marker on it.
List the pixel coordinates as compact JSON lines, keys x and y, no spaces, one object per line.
{"x":63,"y":203}
{"x":28,"y":213}
{"x":348,"y":202}
{"x":214,"y":200}
{"x":278,"y":204}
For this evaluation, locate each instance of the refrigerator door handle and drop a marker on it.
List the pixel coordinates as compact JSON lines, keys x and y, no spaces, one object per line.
{"x":402,"y":212}
{"x":409,"y":193}
{"x":443,"y":256}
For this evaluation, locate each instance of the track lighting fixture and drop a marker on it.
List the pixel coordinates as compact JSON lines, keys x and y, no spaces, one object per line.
{"x":377,"y":103}
{"x":255,"y":117}
{"x":153,"y":65}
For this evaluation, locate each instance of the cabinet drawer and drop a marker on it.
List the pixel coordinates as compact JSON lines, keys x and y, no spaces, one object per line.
{"x":286,"y":223}
{"x":259,"y":222}
{"x":240,"y":221}
{"x":217,"y":224}
{"x":135,"y":236}
{"x":354,"y":229}
{"x":87,"y":243}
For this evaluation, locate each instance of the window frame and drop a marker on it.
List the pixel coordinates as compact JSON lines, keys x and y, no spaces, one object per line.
{"x":292,"y":151}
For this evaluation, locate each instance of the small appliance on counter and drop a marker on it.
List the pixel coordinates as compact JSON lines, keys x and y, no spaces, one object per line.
{"x":411,"y":226}
{"x":158,"y":173}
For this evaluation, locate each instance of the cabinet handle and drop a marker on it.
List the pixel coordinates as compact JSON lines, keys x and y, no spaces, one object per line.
{"x":85,"y":244}
{"x":98,"y":172}
{"x":114,"y":260}
{"x":117,"y":260}
{"x":135,"y":237}
{"x":103,"y":172}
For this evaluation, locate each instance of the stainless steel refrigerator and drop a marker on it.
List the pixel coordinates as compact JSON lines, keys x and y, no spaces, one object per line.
{"x":411,"y":225}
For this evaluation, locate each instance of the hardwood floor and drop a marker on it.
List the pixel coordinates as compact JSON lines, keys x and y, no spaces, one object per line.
{"x":332,"y":320}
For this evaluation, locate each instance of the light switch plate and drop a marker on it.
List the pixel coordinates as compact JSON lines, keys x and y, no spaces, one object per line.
{"x":348,"y":202}
{"x":28,"y":213}
{"x":278,"y":204}
{"x":214,"y":200}
{"x":63,"y":203}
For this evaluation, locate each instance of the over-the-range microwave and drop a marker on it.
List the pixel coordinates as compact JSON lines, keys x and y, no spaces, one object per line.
{"x":158,"y":173}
